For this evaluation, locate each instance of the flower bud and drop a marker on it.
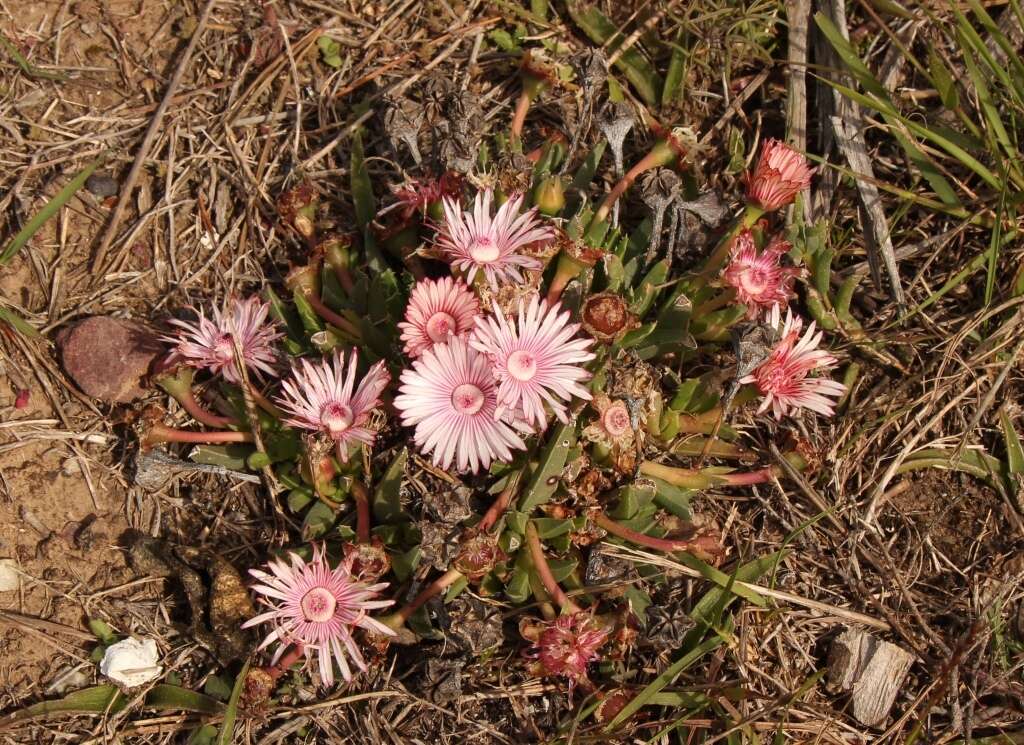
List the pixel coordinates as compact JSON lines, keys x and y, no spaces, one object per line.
{"x":549,"y":196}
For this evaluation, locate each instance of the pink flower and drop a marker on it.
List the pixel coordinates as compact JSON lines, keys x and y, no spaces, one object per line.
{"x":781,"y":173}
{"x":317,"y":607}
{"x":418,"y":194}
{"x":323,"y":397}
{"x":568,"y":644}
{"x":782,"y":377}
{"x":536,"y":359}
{"x":478,"y":242}
{"x":760,"y":280}
{"x":438,"y":309}
{"x":208,"y":342}
{"x":451,"y":397}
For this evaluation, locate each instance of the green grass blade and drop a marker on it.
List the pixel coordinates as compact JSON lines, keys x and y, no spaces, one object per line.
{"x":362,"y":187}
{"x":634,"y":66}
{"x":1014,"y":449}
{"x":676,"y":70}
{"x":18,"y":323}
{"x":52,"y":208}
{"x":227,"y":729}
{"x":655,"y":686}
{"x":27,"y":67}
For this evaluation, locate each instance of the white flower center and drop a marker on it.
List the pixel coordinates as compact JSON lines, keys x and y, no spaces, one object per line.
{"x":483,"y":250}
{"x":318,"y":605}
{"x":522,"y":365}
{"x":756,"y":280}
{"x":336,"y":418}
{"x":467,"y":399}
{"x":440,"y":326}
{"x":224,"y":348}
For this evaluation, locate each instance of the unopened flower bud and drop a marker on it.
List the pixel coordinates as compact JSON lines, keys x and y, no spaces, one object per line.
{"x":549,"y":196}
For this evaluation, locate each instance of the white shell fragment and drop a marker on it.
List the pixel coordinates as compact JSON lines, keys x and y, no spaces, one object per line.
{"x":10,"y":577}
{"x":131,"y":662}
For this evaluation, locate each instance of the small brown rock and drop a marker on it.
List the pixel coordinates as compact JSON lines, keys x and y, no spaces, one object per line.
{"x":108,"y":357}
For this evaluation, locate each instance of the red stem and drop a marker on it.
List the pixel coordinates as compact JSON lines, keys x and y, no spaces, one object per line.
{"x":200,"y":414}
{"x":362,"y":500}
{"x":519,"y":117}
{"x":331,"y":317}
{"x":264,"y":403}
{"x":289,"y":658}
{"x":344,"y":279}
{"x":540,"y":563}
{"x":558,"y":283}
{"x":651,"y":160}
{"x":438,"y":586}
{"x":160,"y":433}
{"x":628,"y":534}
{"x":500,"y":505}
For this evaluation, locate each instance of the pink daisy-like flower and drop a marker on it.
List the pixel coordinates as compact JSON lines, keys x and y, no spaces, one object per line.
{"x":324,"y":397}
{"x":782,"y":378}
{"x":477,"y":241}
{"x":568,"y":644}
{"x":450,"y":396}
{"x":209,"y":342}
{"x":760,"y":280}
{"x":781,"y":173}
{"x":438,"y":309}
{"x":319,"y":608}
{"x":536,"y":359}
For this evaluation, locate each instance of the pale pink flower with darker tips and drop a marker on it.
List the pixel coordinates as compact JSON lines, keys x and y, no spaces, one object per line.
{"x":323,"y":397}
{"x":450,"y":396}
{"x":437,"y":310}
{"x":780,"y":174}
{"x":783,"y":377}
{"x":477,"y":242}
{"x":210,"y":342}
{"x":537,"y":359}
{"x":318,"y":608}
{"x":567,"y":645}
{"x":759,"y":279}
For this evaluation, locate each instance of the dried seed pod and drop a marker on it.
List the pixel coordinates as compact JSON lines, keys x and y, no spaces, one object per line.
{"x":403,"y":119}
{"x":615,"y":120}
{"x":297,"y":208}
{"x":606,"y":317}
{"x":658,"y":188}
